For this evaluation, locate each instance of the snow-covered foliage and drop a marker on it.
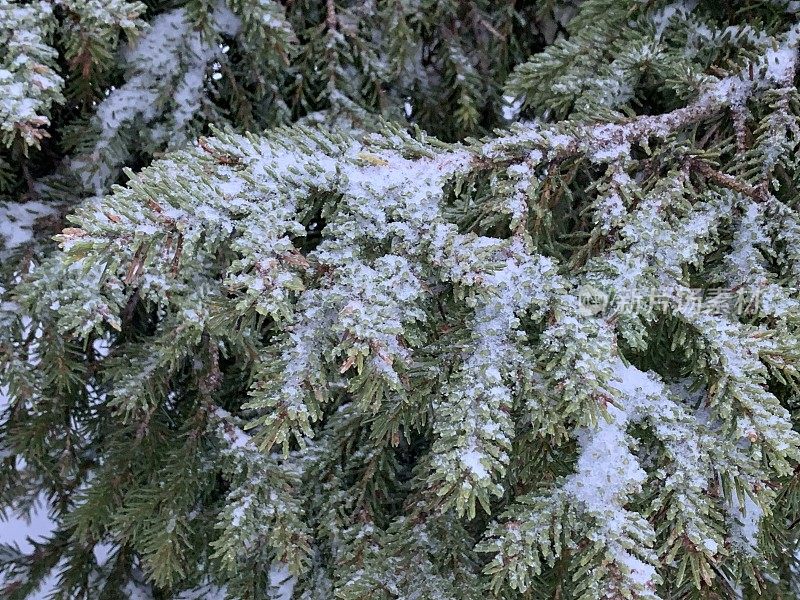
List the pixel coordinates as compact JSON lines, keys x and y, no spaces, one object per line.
{"x":29,"y":82}
{"x":90,"y":87}
{"x":560,"y":361}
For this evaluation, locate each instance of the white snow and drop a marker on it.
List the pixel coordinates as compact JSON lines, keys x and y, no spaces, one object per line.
{"x":236,"y":437}
{"x":607,"y":473}
{"x":511,"y":107}
{"x":281,"y":581}
{"x":681,"y":9}
{"x":17,"y":220}
{"x":744,"y":517}
{"x":171,"y":58}
{"x":205,"y":591}
{"x":471,"y":459}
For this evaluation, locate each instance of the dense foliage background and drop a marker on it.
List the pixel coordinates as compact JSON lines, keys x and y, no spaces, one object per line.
{"x":401,"y":298}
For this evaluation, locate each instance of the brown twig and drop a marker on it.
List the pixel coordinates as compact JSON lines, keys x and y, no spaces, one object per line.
{"x":727,"y":181}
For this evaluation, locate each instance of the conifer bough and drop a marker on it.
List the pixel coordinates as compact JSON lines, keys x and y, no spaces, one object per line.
{"x":330,"y":363}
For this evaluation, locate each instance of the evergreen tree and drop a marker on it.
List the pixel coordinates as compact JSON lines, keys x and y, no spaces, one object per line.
{"x":394,"y":345}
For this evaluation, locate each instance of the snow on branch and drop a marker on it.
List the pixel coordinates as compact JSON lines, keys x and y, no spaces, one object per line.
{"x":406,"y":283}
